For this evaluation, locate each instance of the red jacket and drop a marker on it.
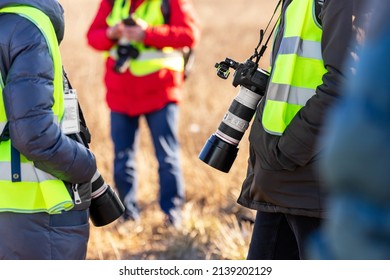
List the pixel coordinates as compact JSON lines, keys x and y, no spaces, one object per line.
{"x":138,"y":95}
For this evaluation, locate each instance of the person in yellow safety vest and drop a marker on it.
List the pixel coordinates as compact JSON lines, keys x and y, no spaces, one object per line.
{"x":38,"y":215}
{"x":282,"y":183}
{"x":143,"y":42}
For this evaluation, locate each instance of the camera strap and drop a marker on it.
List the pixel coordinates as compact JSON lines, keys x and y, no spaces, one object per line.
{"x":258,"y":54}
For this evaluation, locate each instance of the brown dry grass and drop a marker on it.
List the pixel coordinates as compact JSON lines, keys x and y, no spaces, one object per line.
{"x":211,"y":229}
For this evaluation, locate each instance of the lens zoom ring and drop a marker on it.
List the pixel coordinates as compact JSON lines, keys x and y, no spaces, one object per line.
{"x":241,"y":111}
{"x":228,"y":130}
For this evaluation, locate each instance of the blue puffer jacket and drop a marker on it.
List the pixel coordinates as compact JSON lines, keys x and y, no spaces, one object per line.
{"x":27,"y":71}
{"x":355,"y":165}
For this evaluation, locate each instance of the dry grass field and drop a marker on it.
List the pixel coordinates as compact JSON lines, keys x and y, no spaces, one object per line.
{"x":211,"y":227}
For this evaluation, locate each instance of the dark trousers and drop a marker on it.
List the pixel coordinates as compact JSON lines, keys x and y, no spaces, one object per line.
{"x":278,"y":236}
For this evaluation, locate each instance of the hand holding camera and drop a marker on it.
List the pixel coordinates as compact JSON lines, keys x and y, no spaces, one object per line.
{"x":128,"y":31}
{"x":134,"y":29}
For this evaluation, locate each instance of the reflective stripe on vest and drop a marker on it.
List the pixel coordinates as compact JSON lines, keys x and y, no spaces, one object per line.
{"x":38,"y":191}
{"x":2,"y":124}
{"x":150,"y":59}
{"x":3,"y":117}
{"x":298,"y":67}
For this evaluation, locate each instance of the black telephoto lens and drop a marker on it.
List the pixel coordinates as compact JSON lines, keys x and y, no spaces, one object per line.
{"x":105,"y":207}
{"x":221,"y":148}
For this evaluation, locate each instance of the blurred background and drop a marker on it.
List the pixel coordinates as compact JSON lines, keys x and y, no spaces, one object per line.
{"x":215,"y":226}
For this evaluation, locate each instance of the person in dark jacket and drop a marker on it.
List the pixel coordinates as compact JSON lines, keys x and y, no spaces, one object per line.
{"x":282,"y":183}
{"x":38,"y":162}
{"x":147,"y":82}
{"x":357,"y":156}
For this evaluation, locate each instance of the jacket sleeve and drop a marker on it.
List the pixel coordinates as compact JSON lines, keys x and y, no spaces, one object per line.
{"x":96,"y":34}
{"x":28,"y":99}
{"x":299,"y":143}
{"x":183,"y":30}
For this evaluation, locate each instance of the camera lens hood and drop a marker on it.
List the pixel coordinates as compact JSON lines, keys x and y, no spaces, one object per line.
{"x":106,"y":208}
{"x":218,"y":154}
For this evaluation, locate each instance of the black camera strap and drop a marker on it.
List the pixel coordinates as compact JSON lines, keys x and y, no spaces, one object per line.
{"x":258,"y":54}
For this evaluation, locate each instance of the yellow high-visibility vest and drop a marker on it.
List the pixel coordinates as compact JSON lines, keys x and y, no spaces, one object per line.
{"x":31,"y":190}
{"x":150,"y":59}
{"x":298,"y":67}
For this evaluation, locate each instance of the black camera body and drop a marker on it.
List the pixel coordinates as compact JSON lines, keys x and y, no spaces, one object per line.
{"x":250,"y":76}
{"x":125,"y":50}
{"x":246,"y":74}
{"x":221,"y":148}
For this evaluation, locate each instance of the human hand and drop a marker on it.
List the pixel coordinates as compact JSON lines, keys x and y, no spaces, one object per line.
{"x":135,"y":32}
{"x":115,"y":32}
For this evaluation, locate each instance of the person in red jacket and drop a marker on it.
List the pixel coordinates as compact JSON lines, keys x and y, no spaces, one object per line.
{"x":143,"y":42}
